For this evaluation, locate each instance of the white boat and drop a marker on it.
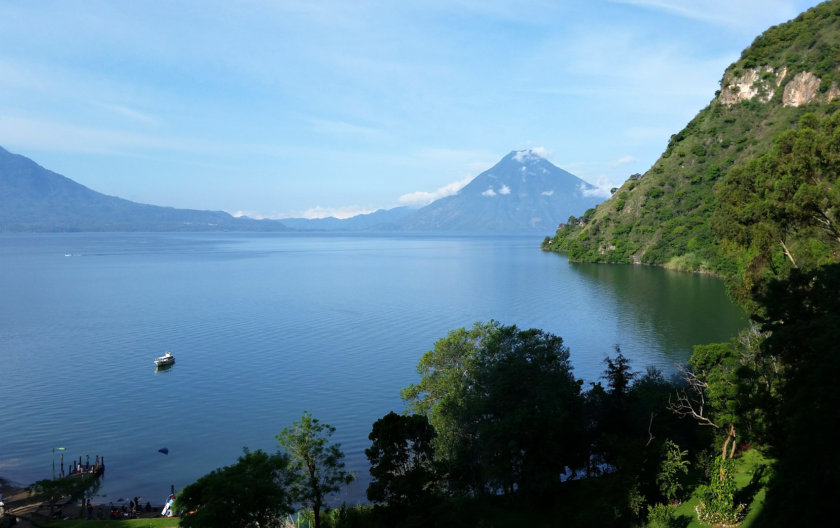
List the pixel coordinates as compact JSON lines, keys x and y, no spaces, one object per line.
{"x":165,"y":360}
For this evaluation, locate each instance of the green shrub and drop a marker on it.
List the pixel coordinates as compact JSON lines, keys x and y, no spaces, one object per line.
{"x":672,"y":469}
{"x":717,"y":503}
{"x":661,"y":516}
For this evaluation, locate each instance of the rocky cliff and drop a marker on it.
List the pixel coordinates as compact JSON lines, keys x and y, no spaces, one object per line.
{"x":663,"y":216}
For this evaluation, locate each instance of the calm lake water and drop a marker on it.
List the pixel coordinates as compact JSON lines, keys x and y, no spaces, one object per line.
{"x":266,"y":326}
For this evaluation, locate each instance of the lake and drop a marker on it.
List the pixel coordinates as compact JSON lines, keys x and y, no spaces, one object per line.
{"x":265,"y":326}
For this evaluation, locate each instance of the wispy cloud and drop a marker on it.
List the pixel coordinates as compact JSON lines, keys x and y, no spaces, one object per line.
{"x":29,"y":132}
{"x":343,"y":128}
{"x":345,"y":211}
{"x":624,"y":160}
{"x":530,"y":153}
{"x":421,"y":198}
{"x":505,"y":190}
{"x":34,"y":132}
{"x":131,"y":113}
{"x":742,"y":15}
{"x":318,"y":211}
{"x":601,"y":189}
{"x":489,"y":192}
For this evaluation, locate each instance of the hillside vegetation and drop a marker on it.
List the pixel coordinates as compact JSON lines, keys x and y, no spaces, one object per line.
{"x":665,"y":216}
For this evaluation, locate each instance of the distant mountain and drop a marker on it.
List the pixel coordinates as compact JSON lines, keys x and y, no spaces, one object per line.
{"x":33,"y":198}
{"x":523,"y":192}
{"x":380,"y":220}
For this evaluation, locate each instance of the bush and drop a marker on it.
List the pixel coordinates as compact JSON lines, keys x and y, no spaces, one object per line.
{"x":661,"y":516}
{"x":717,"y":503}
{"x":672,"y":469}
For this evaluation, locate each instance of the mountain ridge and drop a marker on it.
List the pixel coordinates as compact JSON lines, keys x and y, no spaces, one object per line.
{"x":663,"y":217}
{"x":33,"y":198}
{"x":523,"y":192}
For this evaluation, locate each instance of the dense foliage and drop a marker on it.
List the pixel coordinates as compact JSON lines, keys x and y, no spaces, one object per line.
{"x":503,"y":433}
{"x":252,"y":492}
{"x":665,"y":216}
{"x":402,"y":467}
{"x":780,"y":211}
{"x":507,"y":381}
{"x":318,"y":464}
{"x":79,"y":487}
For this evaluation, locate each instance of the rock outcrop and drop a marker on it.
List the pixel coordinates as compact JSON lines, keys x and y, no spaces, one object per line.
{"x":752,"y":82}
{"x":833,"y":93}
{"x":762,"y":83}
{"x":802,"y":89}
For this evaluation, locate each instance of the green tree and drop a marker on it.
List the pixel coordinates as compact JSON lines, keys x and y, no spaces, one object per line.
{"x":255,"y":491}
{"x":661,"y":516}
{"x":317,"y":463}
{"x":712,"y":395}
{"x":718,"y":505}
{"x":802,"y":316}
{"x":75,"y":488}
{"x":441,"y":390}
{"x":506,"y":406}
{"x":618,"y":373}
{"x":672,"y":469}
{"x":612,"y":414}
{"x":780,"y":211}
{"x":401,"y":458}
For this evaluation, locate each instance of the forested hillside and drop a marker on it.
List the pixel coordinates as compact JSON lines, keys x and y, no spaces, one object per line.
{"x":670,"y":215}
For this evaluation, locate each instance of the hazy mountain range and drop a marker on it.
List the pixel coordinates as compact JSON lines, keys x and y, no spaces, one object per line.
{"x":33,"y":198}
{"x":523,"y":192}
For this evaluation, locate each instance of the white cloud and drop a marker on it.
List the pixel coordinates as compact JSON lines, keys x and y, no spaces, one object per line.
{"x":249,"y":214}
{"x":313,"y":212}
{"x":342,"y":128}
{"x":489,"y":192}
{"x":745,"y":15}
{"x":346,"y":211}
{"x":649,"y":134}
{"x":131,"y":113}
{"x":421,"y":198}
{"x":547,"y":193}
{"x":504,"y":190}
{"x":601,"y":189}
{"x":624,"y":160}
{"x":49,"y":134}
{"x":531,"y":153}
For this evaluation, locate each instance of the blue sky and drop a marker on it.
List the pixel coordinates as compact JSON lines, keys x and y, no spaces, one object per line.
{"x":314,"y":108}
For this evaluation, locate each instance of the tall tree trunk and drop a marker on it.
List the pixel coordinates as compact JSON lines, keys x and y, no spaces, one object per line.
{"x":734,"y":442}
{"x":787,"y":252}
{"x":728,"y":448}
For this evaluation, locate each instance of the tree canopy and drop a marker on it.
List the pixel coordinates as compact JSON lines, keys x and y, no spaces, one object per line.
{"x":507,"y":409}
{"x":317,"y":464}
{"x":255,"y":491}
{"x":780,"y":211}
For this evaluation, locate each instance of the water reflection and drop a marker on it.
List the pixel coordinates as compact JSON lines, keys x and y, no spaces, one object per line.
{"x":679,"y":309}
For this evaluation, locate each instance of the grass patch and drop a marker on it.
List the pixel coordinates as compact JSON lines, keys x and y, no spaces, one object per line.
{"x":750,"y":470}
{"x":162,"y":522}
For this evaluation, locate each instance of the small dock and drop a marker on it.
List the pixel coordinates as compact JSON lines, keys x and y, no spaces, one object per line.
{"x":96,"y":468}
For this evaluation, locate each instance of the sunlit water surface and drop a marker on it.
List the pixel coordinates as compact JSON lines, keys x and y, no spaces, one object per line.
{"x":266,"y":326}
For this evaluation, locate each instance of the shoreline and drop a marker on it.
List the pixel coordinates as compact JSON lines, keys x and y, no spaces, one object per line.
{"x":30,"y":510}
